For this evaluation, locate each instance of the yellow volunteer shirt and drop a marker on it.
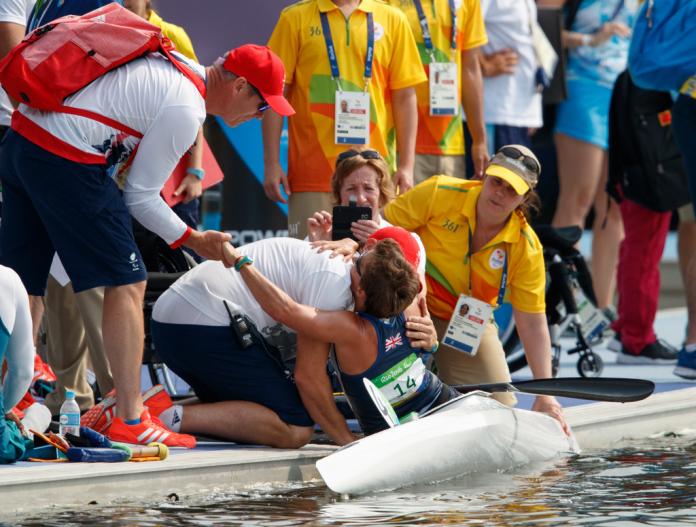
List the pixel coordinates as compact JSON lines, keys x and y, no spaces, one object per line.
{"x":689,"y":87}
{"x":175,"y":33}
{"x":442,"y":135}
{"x":298,"y":41}
{"x":441,"y":210}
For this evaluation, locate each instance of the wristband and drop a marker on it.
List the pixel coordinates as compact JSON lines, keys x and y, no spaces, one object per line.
{"x":198,"y":172}
{"x":241,"y":262}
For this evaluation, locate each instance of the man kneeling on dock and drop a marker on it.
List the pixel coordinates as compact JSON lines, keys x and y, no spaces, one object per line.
{"x":211,"y":331}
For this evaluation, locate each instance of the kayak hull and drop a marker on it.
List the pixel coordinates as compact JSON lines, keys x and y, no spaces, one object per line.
{"x":473,"y":433}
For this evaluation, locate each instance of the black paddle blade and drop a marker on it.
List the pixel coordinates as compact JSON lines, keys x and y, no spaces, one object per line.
{"x":601,"y":389}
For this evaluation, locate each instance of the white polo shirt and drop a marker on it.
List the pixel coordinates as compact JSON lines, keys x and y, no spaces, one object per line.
{"x":511,"y":99}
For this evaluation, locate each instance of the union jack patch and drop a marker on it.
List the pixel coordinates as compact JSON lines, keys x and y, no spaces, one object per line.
{"x":393,"y":342}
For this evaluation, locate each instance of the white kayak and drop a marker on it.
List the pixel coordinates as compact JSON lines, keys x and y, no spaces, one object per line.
{"x":472,"y":433}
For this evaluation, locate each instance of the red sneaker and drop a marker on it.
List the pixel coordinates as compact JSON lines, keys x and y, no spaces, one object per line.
{"x":99,"y":417}
{"x":147,"y":431}
{"x":157,"y":400}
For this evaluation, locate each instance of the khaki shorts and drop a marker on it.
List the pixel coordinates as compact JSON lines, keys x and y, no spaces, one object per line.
{"x":487,"y":366}
{"x":430,"y":165}
{"x":301,"y":205}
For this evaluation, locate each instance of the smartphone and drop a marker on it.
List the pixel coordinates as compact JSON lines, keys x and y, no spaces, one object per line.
{"x":344,"y":216}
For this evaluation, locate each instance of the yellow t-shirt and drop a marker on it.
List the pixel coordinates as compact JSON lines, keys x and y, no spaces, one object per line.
{"x":441,"y":210}
{"x":442,"y":135}
{"x":176,"y":34}
{"x":298,"y":41}
{"x":689,"y":87}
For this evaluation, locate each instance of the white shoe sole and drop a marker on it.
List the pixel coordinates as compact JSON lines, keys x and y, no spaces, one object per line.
{"x":625,"y":358}
{"x":686,"y":373}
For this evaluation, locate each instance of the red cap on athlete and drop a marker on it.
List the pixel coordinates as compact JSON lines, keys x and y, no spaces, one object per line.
{"x":409,"y":245}
{"x":264,"y":70}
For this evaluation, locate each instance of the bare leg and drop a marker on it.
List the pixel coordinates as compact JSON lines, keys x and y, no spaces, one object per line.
{"x":579,"y":170}
{"x":36,"y":307}
{"x":245,"y":422}
{"x":686,"y":246}
{"x":122,"y":329}
{"x":687,"y":262}
{"x":582,"y":171}
{"x":607,"y":233}
{"x":687,"y":266}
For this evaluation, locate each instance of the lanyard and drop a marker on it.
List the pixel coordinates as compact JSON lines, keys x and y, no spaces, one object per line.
{"x":425,"y":28}
{"x":331,"y":50}
{"x":503,"y":278}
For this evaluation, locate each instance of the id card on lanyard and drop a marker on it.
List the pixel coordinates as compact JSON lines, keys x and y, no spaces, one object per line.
{"x":351,"y":109}
{"x":443,"y":78}
{"x":471,"y":315}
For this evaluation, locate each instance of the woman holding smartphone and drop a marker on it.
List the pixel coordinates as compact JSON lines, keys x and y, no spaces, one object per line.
{"x":361,"y":178}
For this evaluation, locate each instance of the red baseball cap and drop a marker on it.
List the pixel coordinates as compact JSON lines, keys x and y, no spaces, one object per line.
{"x":409,"y":245}
{"x":264,"y":70}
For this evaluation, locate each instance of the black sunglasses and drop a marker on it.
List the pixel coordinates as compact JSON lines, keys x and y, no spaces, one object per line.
{"x":365,"y":154}
{"x":529,"y":162}
{"x":263,"y":105}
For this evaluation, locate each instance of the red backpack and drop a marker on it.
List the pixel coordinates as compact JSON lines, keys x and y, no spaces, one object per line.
{"x":62,"y":57}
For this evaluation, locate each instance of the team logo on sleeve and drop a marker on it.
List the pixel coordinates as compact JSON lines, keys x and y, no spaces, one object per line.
{"x":392,"y":342}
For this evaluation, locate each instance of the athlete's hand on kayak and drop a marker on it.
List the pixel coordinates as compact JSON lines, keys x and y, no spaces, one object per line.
{"x":207,"y":244}
{"x":363,"y":229}
{"x":191,"y":187}
{"x":420,"y":330}
{"x":345,"y":248}
{"x":549,"y":405}
{"x":319,"y":226}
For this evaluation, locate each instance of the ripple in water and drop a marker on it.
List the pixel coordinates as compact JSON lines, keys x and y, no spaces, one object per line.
{"x":649,"y":483}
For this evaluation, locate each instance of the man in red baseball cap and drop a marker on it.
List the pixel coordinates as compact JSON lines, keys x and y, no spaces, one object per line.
{"x":246,"y":82}
{"x":42,"y":213}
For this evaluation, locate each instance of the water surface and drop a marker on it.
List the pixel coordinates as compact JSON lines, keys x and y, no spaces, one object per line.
{"x":644,"y":483}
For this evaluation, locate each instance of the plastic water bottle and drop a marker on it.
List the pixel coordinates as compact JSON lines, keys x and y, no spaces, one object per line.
{"x":70,"y":415}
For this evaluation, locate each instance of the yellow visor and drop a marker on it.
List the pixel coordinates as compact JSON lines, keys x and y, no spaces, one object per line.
{"x":516,"y":182}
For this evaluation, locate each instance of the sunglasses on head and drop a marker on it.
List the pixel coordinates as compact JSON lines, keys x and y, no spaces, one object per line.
{"x":529,"y":162}
{"x":365,"y":154}
{"x":263,"y":105}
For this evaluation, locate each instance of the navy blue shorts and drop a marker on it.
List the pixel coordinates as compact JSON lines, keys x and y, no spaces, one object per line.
{"x":211,"y":361}
{"x":51,"y":204}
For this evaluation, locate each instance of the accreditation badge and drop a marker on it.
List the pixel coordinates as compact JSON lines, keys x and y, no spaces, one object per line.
{"x":352,"y":118}
{"x":444,"y":99}
{"x":467,"y":324}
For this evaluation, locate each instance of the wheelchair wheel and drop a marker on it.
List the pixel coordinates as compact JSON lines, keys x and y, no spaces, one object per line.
{"x":590,"y":365}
